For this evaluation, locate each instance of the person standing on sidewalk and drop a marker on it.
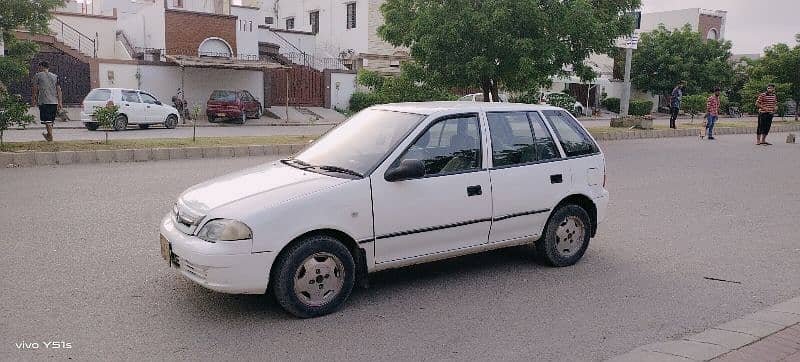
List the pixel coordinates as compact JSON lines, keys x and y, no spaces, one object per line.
{"x":712,"y":112}
{"x":675,"y":103}
{"x":767,"y":104}
{"x":47,"y":95}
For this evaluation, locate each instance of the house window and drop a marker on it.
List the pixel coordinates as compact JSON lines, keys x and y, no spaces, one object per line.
{"x":313,"y":19}
{"x":289,"y":23}
{"x":712,"y":34}
{"x":177,"y":3}
{"x":351,"y":15}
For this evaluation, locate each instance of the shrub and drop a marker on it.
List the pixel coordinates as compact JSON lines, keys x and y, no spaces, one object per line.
{"x":611,"y":104}
{"x":13,"y":112}
{"x":694,"y":104}
{"x":638,"y":107}
{"x":562,"y":100}
{"x":527,"y":98}
{"x":361,"y":100}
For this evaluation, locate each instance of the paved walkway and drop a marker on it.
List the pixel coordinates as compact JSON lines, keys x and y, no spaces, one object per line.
{"x":772,"y":334}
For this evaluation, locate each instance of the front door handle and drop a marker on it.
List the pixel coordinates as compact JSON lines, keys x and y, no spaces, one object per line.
{"x":556,"y":179}
{"x":474,"y":190}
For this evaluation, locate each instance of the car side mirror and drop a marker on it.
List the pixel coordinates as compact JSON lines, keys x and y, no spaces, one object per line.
{"x":408,"y":169}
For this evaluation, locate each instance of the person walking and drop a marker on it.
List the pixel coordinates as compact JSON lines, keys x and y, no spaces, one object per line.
{"x":675,"y":103}
{"x":46,"y":95}
{"x":712,"y":112}
{"x":767,"y":104}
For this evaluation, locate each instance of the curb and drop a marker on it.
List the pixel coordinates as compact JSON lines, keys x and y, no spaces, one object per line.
{"x":685,"y":132}
{"x":720,"y":340}
{"x":31,"y":159}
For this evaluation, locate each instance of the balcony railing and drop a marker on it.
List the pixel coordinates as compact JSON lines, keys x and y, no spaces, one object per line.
{"x":73,"y":38}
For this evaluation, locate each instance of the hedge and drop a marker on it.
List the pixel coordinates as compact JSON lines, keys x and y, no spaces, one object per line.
{"x":639,"y":107}
{"x":611,"y":104}
{"x":361,"y":100}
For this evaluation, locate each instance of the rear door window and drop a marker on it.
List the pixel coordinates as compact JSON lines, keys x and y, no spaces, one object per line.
{"x":573,"y":138}
{"x":512,"y":138}
{"x":148,"y":98}
{"x":99,"y":94}
{"x":546,"y":148}
{"x":130,"y":96}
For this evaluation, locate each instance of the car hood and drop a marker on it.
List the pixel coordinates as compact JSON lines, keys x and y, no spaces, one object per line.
{"x":283,"y":182}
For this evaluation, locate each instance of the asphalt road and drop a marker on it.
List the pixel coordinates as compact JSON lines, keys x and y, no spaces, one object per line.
{"x":66,"y":134}
{"x":81,"y":264}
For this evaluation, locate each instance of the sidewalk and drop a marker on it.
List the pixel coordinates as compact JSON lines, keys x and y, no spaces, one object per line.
{"x":772,"y":334}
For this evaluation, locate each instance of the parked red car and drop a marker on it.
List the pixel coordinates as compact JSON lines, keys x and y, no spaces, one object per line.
{"x":238,"y":106}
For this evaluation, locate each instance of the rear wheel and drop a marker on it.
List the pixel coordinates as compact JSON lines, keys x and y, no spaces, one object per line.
{"x":144,"y":126}
{"x":566,"y":236}
{"x":120,"y":123}
{"x":313,"y":276}
{"x":171,"y":121}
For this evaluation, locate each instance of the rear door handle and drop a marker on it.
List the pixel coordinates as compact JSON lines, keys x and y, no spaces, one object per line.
{"x":474,"y":190}
{"x":556,"y":179}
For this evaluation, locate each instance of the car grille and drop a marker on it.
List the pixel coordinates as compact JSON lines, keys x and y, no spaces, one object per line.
{"x":194,"y":269}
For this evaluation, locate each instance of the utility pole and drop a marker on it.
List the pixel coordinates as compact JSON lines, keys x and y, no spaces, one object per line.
{"x":626,"y":88}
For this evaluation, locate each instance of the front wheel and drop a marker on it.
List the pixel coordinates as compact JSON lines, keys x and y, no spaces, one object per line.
{"x":171,"y":121}
{"x":314,"y":276}
{"x":566,"y":236}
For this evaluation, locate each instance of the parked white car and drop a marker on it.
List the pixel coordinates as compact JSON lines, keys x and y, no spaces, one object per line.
{"x":395,"y":185}
{"x":136,"y":107}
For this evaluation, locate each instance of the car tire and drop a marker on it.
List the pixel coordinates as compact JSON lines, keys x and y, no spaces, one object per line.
{"x":258,"y":113}
{"x":301,"y":293}
{"x":566,"y":236}
{"x":120,"y":123}
{"x":144,"y":126}
{"x":243,"y":118}
{"x":171,"y":122}
{"x":92,"y":126}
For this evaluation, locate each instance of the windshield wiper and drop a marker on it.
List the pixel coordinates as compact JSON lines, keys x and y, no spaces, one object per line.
{"x":339,"y":170}
{"x":302,"y":164}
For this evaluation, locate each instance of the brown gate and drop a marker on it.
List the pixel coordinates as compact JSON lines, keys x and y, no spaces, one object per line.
{"x":306,"y":86}
{"x":73,"y":75}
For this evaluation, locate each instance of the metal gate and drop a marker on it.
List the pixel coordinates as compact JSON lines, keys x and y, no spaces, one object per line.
{"x":73,"y":76}
{"x":306,"y":86}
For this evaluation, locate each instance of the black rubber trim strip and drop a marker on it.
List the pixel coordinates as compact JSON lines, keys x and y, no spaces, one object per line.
{"x":509,"y":216}
{"x":364,"y":241}
{"x":431,"y":228}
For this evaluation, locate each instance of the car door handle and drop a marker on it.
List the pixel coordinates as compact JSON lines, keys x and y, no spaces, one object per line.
{"x":556,"y":179}
{"x":127,"y":105}
{"x":474,"y":190}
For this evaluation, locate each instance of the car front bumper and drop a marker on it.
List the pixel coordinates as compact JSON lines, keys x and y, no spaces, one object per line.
{"x":601,"y":203}
{"x":227,"y":267}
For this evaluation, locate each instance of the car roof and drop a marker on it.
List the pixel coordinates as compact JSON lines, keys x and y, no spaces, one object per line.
{"x":428,"y":108}
{"x":122,"y":89}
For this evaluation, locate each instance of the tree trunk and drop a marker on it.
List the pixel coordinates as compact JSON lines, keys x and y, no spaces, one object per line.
{"x":486,"y":86}
{"x":495,"y":94}
{"x":1,"y":137}
{"x":106,"y":137}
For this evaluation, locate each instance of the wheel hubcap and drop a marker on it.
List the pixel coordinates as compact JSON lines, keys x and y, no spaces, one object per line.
{"x":319,"y":279}
{"x":569,"y":236}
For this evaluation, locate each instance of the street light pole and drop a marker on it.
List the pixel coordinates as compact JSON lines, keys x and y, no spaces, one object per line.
{"x":626,"y":88}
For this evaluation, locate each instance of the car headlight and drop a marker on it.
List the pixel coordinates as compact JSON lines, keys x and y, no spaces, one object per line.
{"x":224,"y":230}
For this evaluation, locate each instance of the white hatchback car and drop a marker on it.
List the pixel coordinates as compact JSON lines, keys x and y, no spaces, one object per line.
{"x":135,"y":107}
{"x":395,"y":185}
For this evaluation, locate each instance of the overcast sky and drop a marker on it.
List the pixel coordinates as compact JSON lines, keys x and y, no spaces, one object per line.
{"x":752,"y":24}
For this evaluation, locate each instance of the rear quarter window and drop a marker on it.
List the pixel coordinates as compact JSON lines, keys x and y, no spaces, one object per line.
{"x":99,"y":95}
{"x":573,"y":138}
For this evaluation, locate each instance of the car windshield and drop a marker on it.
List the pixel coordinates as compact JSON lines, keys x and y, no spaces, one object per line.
{"x":221,"y":95}
{"x":99,"y":94}
{"x":362,"y":142}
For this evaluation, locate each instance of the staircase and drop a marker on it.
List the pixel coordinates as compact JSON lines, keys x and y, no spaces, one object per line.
{"x":71,"y":37}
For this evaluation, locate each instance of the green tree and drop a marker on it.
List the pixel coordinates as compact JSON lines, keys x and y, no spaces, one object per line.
{"x":665,"y":57}
{"x":782,"y":62}
{"x":13,"y":112}
{"x":694,"y":104}
{"x":758,"y":85}
{"x":515,"y":44}
{"x":30,"y":15}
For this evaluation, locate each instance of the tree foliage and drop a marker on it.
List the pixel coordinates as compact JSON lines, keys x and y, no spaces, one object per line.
{"x":30,"y":15}
{"x":665,"y":57}
{"x":405,"y":87}
{"x":694,"y":104}
{"x":13,"y":112}
{"x":515,"y":44}
{"x":758,"y":85}
{"x":781,"y":62}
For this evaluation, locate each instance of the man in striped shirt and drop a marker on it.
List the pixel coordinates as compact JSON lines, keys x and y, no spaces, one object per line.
{"x":712,"y":112}
{"x":767,"y":104}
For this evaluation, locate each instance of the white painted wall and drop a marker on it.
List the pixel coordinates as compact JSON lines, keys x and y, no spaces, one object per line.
{"x":101,"y":28}
{"x":342,"y":87}
{"x":674,"y":19}
{"x":303,"y":42}
{"x":247,"y":30}
{"x":203,"y":6}
{"x":145,"y":26}
{"x":163,"y":81}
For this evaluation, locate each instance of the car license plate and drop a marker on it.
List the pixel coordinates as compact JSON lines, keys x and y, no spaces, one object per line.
{"x":220,"y":114}
{"x":166,"y":250}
